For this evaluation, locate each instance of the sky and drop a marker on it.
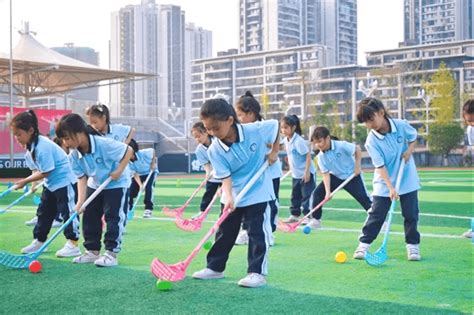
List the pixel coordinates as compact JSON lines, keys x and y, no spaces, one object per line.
{"x":87,"y":22}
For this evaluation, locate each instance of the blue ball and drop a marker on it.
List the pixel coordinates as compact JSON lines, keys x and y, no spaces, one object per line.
{"x":307,"y":230}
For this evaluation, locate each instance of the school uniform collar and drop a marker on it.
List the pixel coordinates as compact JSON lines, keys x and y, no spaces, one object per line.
{"x":91,"y":147}
{"x":293,"y":138}
{"x":380,"y":136}
{"x":332,"y":145}
{"x":240,"y":138}
{"x":109,"y":129}
{"x":136,"y":157}
{"x":32,"y":146}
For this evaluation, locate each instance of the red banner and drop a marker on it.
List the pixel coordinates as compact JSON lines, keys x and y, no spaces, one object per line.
{"x":47,"y":119}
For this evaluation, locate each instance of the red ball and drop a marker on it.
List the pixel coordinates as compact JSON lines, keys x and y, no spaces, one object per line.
{"x":35,"y":266}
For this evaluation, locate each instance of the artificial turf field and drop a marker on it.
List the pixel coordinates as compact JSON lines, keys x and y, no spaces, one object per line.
{"x":303,"y":276}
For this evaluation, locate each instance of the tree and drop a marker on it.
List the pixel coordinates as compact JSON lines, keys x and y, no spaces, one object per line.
{"x":443,"y":137}
{"x":442,"y":90}
{"x":330,"y":118}
{"x":265,"y":101}
{"x":444,"y":134}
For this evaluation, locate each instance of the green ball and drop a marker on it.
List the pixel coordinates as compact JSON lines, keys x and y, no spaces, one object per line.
{"x":208,"y":245}
{"x":163,"y":285}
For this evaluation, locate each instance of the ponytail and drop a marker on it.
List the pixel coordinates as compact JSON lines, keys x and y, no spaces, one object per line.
{"x":293,"y":121}
{"x":26,"y":121}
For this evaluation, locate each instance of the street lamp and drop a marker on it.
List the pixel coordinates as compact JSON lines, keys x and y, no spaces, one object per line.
{"x":372,"y":86}
{"x":174,"y":112}
{"x":292,"y":105}
{"x":427,"y":100}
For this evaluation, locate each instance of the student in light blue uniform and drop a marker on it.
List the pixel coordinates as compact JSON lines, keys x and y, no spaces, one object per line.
{"x":468,"y":116}
{"x":201,"y":136}
{"x":248,"y":111}
{"x":98,"y":158}
{"x":48,"y":162}
{"x":99,"y":118}
{"x":301,"y":166}
{"x":58,"y":220}
{"x":236,"y":155}
{"x":388,"y":142}
{"x":337,"y":161}
{"x":141,"y":164}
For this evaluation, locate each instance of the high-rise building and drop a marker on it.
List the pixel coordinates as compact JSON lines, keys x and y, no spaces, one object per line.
{"x":271,"y":25}
{"x":437,"y":21}
{"x":134,"y":47}
{"x":85,"y":54}
{"x":198,"y":43}
{"x":336,"y":28}
{"x":151,"y":38}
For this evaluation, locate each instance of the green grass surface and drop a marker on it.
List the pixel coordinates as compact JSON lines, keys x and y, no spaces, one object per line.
{"x":303,"y":276}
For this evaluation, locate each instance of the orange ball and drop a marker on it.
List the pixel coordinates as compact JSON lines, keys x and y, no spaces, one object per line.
{"x":35,"y":266}
{"x":341,"y":257}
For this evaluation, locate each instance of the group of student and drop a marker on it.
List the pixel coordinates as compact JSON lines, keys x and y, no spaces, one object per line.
{"x":73,"y":166}
{"x":234,"y":143}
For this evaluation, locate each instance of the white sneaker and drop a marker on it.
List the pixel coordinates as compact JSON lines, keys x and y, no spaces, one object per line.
{"x":33,"y":247}
{"x":291,"y":219}
{"x":242,"y":238}
{"x":86,"y":258}
{"x":147,"y":214}
{"x":467,"y":234}
{"x":272,"y":240}
{"x":106,"y":260}
{"x":413,"y":252}
{"x":314,"y":223}
{"x":32,"y":222}
{"x":305,"y":221}
{"x":207,"y":273}
{"x":253,"y":280}
{"x":69,"y":250}
{"x":361,"y":250}
{"x":56,"y":224}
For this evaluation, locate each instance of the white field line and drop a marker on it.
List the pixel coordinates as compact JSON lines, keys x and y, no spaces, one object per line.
{"x":434,"y":215}
{"x":429,"y":235}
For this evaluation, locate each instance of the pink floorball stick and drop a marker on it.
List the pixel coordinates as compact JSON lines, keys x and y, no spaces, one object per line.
{"x":177,"y":271}
{"x":195,"y":224}
{"x":291,"y":227}
{"x":179,"y":211}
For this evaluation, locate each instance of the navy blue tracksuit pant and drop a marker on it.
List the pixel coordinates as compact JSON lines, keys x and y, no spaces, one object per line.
{"x":300,"y":195}
{"x":380,"y":207}
{"x":257,"y":218}
{"x":274,"y":205}
{"x":211,"y":189}
{"x":355,"y":187}
{"x":112,"y":203}
{"x":134,"y":189}
{"x":61,"y":201}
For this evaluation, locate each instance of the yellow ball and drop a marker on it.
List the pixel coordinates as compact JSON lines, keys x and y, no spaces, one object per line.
{"x":341,"y":257}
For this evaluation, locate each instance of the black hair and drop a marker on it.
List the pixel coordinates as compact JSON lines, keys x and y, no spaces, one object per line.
{"x":199,"y":126}
{"x":134,"y":145}
{"x":99,"y":110}
{"x":293,"y":121}
{"x":320,"y":133}
{"x":468,"y":107}
{"x":58,"y":141}
{"x":25,"y":121}
{"x":218,"y":109}
{"x":72,"y":124}
{"x":368,"y":107}
{"x":248,"y":104}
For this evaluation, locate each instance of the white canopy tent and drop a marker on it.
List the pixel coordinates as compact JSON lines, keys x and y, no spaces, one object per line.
{"x":40,"y":71}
